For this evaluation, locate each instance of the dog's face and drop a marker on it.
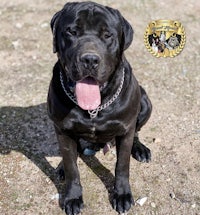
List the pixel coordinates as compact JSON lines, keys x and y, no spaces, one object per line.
{"x":173,"y":41}
{"x":90,"y":40}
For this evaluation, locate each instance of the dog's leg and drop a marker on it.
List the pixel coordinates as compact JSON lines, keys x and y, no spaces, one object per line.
{"x":73,"y":202}
{"x":139,"y":151}
{"x":123,"y":199}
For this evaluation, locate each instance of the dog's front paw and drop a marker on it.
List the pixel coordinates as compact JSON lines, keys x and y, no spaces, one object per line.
{"x":122,"y":203}
{"x":73,"y":206}
{"x":140,"y":152}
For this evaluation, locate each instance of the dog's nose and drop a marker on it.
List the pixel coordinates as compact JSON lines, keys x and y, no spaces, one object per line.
{"x":90,"y":60}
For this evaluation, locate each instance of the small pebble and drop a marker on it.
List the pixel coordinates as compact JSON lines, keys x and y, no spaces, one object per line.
{"x":55,"y":197}
{"x":34,"y":57}
{"x":16,"y":44}
{"x":48,"y":180}
{"x":141,"y":201}
{"x":114,"y":152}
{"x":156,"y":140}
{"x":153,"y":205}
{"x":172,"y":195}
{"x":193,"y":205}
{"x":44,"y":25}
{"x":19,"y":25}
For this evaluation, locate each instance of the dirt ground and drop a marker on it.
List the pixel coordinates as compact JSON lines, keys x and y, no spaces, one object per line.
{"x":29,"y":153}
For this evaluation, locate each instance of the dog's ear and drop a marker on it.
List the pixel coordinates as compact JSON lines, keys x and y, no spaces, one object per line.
{"x":127,"y":33}
{"x":54,"y":24}
{"x":68,"y":7}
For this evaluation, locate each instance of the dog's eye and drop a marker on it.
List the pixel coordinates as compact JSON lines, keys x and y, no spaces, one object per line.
{"x":71,"y":32}
{"x":107,"y":35}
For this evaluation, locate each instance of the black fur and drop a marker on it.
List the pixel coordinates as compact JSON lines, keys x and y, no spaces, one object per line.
{"x":77,"y":29}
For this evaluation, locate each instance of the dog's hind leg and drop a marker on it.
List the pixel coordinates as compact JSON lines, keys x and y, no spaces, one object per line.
{"x":139,"y":151}
{"x":145,"y":111}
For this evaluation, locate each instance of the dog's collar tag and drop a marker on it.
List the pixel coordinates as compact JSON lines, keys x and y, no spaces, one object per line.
{"x":93,"y":113}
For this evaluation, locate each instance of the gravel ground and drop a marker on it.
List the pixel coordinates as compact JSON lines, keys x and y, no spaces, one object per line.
{"x":29,"y":154}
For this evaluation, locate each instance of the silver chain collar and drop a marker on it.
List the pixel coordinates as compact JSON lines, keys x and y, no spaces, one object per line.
{"x":94,"y":113}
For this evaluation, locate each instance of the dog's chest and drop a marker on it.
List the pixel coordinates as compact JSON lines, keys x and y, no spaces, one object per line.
{"x":96,"y":130}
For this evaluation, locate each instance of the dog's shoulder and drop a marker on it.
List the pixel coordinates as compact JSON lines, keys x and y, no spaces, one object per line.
{"x":58,"y":104}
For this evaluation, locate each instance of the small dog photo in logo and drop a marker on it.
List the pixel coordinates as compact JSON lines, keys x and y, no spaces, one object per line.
{"x":164,"y":38}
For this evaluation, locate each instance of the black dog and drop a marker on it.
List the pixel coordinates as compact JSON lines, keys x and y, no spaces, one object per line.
{"x":94,"y":99}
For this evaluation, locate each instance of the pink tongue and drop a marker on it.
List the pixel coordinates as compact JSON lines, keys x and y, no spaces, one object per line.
{"x":88,"y":94}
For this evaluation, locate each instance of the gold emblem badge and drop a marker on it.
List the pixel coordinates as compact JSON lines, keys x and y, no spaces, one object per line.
{"x":164,"y":38}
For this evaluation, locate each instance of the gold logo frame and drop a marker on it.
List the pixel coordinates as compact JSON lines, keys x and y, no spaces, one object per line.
{"x":164,"y":38}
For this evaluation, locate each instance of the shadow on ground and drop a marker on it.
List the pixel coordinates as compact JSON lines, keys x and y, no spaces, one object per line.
{"x":29,"y":131}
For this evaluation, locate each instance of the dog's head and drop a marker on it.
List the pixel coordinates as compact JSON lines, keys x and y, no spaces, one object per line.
{"x":90,"y":40}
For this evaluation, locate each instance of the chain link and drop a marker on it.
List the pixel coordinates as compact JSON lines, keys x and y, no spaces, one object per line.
{"x":94,"y":113}
{"x":69,"y":94}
